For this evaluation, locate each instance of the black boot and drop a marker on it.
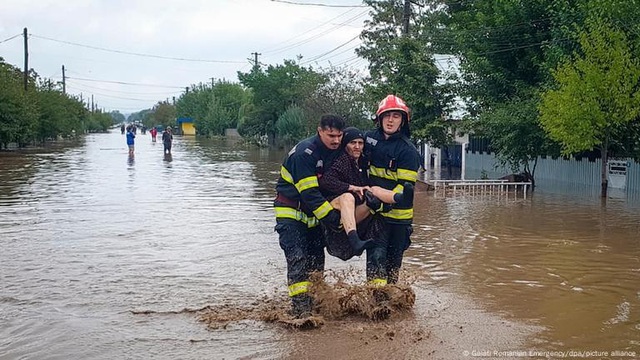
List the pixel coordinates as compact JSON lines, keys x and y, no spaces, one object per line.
{"x":358,"y":245}
{"x":407,"y":194}
{"x":372,"y":201}
{"x":301,"y":306}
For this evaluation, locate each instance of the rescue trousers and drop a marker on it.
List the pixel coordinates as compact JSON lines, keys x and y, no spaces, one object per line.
{"x":304,"y":251}
{"x":385,"y":259}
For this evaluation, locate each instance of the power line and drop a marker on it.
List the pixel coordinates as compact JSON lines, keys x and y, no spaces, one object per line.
{"x":308,"y":31}
{"x":93,"y":88}
{"x":137,"y":54}
{"x":318,"y":4}
{"x":11,"y":38}
{"x":315,"y":58}
{"x":72,"y":86}
{"x":127,"y":83}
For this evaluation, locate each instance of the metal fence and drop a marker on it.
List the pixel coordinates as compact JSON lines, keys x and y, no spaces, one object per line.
{"x":554,"y":171}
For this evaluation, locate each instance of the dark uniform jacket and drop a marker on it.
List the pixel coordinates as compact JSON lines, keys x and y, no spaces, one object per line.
{"x":392,"y":162}
{"x":298,"y":195}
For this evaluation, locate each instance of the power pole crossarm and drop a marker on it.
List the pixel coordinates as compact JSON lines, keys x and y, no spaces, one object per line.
{"x":256,"y":64}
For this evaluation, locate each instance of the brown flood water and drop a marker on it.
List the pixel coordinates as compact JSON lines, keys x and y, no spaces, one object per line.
{"x":105,"y":257}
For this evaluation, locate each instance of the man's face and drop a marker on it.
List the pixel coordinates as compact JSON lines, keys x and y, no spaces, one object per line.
{"x":391,"y":122}
{"x":354,"y":148}
{"x":330,"y":137}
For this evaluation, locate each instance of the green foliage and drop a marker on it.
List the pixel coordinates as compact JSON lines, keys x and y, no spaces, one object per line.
{"x":40,"y":113}
{"x":597,"y":98}
{"x":501,"y":48}
{"x":214,"y":108}
{"x":18,"y":111}
{"x":290,"y":126}
{"x":117,"y":117}
{"x":143,"y":116}
{"x":163,"y":114}
{"x":516,"y":137}
{"x":403,"y":64}
{"x":343,"y":94}
{"x":274,"y":90}
{"x":597,"y":94}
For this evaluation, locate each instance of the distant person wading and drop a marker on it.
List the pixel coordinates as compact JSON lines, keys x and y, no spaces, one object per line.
{"x":167,"y":140}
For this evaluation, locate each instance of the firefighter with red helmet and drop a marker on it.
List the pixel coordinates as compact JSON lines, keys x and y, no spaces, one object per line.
{"x":300,"y":207}
{"x":393,"y":164}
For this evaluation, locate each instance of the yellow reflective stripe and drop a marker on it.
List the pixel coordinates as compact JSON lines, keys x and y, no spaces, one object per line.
{"x":299,"y":288}
{"x":307,"y":183}
{"x":383,"y":173}
{"x":286,"y":175}
{"x":312,"y":222}
{"x":408,"y":175}
{"x":378,"y":282}
{"x":323,"y":210}
{"x":400,"y":214}
{"x":399,"y":189}
{"x":283,"y":212}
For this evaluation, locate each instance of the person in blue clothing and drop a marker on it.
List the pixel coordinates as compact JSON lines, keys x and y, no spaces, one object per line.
{"x":300,"y":207}
{"x":130,"y":140}
{"x":393,"y":165}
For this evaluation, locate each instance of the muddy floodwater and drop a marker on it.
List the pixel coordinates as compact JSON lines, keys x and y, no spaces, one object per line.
{"x":107,"y":257}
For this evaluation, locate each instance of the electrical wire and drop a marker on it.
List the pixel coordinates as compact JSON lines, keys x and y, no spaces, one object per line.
{"x":136,"y":54}
{"x":318,"y":4}
{"x":127,"y":83}
{"x":11,"y":38}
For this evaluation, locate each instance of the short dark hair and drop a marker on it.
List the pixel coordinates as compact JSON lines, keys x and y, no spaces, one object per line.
{"x":332,"y":121}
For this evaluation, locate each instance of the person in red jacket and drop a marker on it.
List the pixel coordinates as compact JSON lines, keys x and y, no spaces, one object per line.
{"x":154,"y":134}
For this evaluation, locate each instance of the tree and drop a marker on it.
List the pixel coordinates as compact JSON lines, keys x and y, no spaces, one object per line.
{"x":597,"y":94}
{"x":164,"y":113}
{"x":274,"y":90}
{"x":343,"y":94}
{"x":290,"y":127}
{"x":396,"y":42}
{"x":516,"y":136}
{"x":18,"y":111}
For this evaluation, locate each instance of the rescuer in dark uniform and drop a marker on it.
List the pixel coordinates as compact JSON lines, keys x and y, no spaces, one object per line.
{"x":393,"y":165}
{"x":300,"y":207}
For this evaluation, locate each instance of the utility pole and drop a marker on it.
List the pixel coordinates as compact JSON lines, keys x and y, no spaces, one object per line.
{"x":64,"y":81}
{"x":26,"y":59}
{"x":256,"y":64}
{"x":406,"y":16}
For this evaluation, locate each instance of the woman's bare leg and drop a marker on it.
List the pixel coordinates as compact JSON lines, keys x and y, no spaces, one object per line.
{"x":346,"y":204}
{"x":362,"y":211}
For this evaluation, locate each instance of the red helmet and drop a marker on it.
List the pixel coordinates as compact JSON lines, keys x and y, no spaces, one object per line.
{"x":392,"y":103}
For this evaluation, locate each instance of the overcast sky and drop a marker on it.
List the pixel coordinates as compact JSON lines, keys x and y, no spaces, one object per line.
{"x":95,"y":39}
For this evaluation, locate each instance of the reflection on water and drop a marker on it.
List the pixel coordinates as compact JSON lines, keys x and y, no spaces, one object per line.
{"x":89,"y":235}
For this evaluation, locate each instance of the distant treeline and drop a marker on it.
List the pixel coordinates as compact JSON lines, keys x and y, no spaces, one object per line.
{"x":42,"y":112}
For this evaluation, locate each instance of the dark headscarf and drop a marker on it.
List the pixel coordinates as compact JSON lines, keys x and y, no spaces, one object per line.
{"x":351,"y":133}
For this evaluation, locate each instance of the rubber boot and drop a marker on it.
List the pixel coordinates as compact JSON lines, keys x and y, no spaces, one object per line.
{"x":381,"y":309}
{"x":406,"y":194}
{"x":301,"y":306}
{"x":358,"y":245}
{"x":372,"y":201}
